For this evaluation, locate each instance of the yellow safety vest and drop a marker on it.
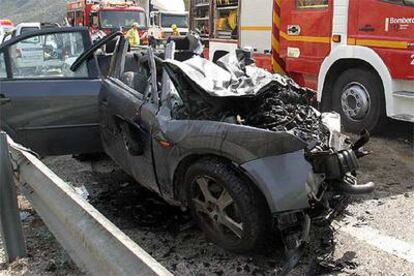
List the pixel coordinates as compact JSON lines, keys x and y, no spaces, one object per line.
{"x":175,"y":33}
{"x":133,"y":38}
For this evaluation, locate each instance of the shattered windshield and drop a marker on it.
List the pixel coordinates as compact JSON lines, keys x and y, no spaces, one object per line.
{"x":122,"y":19}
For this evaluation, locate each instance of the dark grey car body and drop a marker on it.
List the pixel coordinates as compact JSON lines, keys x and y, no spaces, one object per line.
{"x":62,"y":116}
{"x":161,"y":167}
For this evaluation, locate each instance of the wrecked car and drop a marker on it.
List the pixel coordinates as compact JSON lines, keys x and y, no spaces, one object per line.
{"x":241,"y":148}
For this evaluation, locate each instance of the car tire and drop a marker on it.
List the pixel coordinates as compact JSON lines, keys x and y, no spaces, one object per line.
{"x":358,"y":96}
{"x":132,"y":142}
{"x":234,"y":214}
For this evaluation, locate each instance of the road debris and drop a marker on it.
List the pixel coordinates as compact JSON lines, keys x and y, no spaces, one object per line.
{"x":82,"y":191}
{"x":143,"y":208}
{"x":24,"y":215}
{"x":191,"y":248}
{"x":327,"y":264}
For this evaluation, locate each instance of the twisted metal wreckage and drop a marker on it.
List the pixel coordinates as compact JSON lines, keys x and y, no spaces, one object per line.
{"x":235,"y":92}
{"x":241,"y":148}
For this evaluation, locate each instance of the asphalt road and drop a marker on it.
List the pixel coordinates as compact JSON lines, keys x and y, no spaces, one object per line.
{"x":374,"y":236}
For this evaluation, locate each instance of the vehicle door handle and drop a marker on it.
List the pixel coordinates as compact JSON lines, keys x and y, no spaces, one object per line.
{"x":4,"y":99}
{"x":367,"y":28}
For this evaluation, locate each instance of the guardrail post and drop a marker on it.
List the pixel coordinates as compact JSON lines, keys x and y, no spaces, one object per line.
{"x":11,"y":227}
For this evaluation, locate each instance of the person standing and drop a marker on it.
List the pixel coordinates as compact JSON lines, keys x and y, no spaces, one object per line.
{"x":175,"y":31}
{"x":133,"y":36}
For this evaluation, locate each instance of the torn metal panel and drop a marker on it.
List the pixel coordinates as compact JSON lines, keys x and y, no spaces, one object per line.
{"x":217,"y":81}
{"x":238,"y":143}
{"x":283,"y":179}
{"x":246,"y":95}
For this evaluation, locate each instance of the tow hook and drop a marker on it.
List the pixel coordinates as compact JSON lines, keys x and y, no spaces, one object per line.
{"x":360,"y":143}
{"x":350,"y":186}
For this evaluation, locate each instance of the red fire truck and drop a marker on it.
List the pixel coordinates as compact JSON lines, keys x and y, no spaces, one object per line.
{"x":107,"y":16}
{"x":357,"y":54}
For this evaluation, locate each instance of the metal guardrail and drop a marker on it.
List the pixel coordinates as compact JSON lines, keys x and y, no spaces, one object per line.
{"x":95,"y":244}
{"x":11,"y":228}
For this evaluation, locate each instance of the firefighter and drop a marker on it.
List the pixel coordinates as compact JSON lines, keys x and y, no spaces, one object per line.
{"x":133,"y":36}
{"x":175,"y":31}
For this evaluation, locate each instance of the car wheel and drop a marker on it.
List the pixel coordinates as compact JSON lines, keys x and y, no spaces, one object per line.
{"x":132,"y":143}
{"x":358,"y":95}
{"x":226,"y":207}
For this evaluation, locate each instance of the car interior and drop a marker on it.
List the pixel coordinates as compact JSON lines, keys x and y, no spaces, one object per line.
{"x":136,"y":70}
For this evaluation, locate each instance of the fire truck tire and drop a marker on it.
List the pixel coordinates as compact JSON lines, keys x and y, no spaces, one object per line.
{"x":229,"y":210}
{"x":358,"y":96}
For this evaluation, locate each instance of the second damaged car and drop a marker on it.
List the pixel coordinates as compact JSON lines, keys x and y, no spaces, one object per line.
{"x":241,"y":148}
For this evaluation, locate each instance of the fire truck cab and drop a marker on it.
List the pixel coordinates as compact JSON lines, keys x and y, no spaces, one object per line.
{"x":107,"y":16}
{"x":357,"y":54}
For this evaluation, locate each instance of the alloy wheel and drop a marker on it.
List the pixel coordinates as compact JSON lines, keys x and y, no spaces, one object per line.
{"x":216,"y":208}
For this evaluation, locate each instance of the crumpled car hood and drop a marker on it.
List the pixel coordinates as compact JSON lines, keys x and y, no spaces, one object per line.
{"x":233,"y":92}
{"x":227,"y":79}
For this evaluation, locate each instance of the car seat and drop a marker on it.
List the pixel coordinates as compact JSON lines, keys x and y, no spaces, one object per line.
{"x":186,"y":47}
{"x":135,"y":74}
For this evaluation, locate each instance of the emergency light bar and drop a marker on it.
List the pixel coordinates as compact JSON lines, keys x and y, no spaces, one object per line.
{"x":106,"y":4}
{"x":6,"y":22}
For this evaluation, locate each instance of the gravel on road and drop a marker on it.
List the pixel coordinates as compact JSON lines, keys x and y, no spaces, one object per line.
{"x":171,"y":238}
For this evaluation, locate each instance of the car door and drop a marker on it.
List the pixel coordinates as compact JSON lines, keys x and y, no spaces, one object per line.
{"x":44,"y":105}
{"x":389,"y":30}
{"x":126,"y":133}
{"x":305,"y":33}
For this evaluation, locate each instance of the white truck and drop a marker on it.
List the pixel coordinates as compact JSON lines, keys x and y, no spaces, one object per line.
{"x":163,"y":14}
{"x":39,"y":53}
{"x":28,"y":54}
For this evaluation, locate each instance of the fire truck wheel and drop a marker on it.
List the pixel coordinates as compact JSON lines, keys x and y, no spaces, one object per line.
{"x":358,"y":96}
